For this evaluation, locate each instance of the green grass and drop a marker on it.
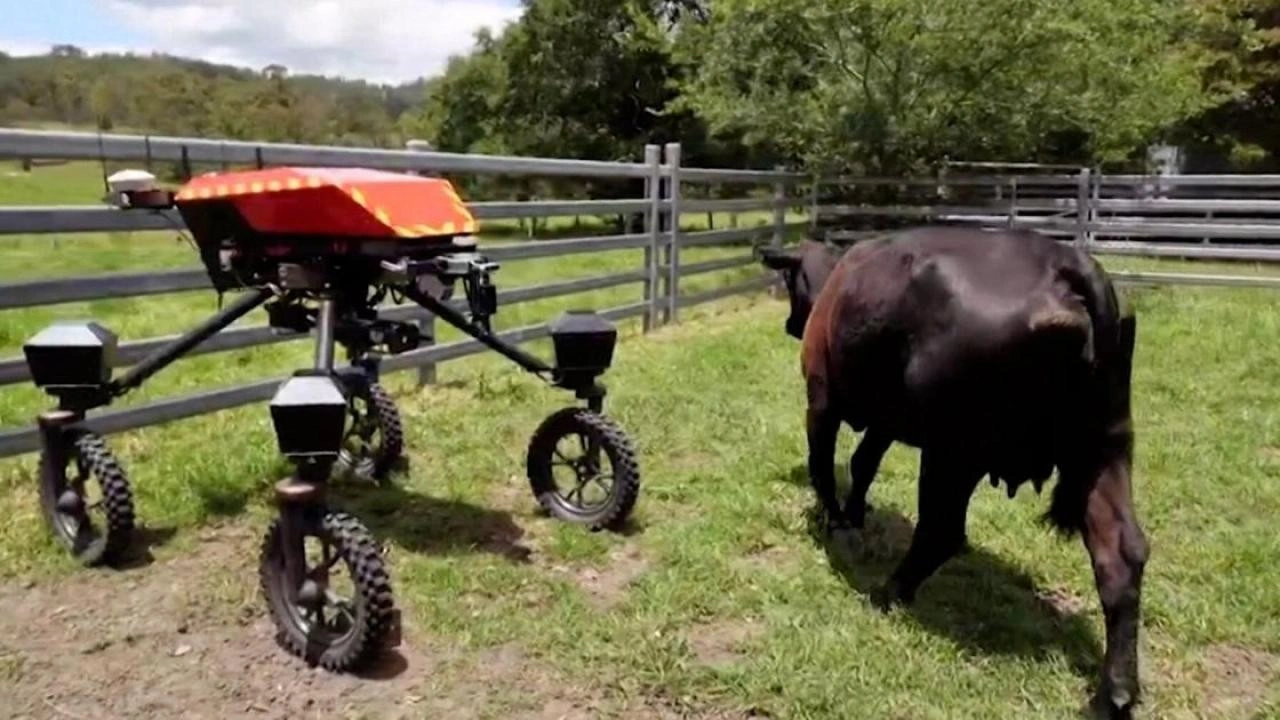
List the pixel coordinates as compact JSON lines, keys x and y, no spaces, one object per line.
{"x":715,"y":406}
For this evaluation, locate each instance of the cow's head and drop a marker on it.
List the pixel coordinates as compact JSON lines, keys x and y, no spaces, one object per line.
{"x":805,"y":270}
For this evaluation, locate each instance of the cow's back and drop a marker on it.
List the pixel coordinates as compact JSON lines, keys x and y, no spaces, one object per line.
{"x":929,"y":334}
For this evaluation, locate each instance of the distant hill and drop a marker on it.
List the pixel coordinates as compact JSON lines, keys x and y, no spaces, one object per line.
{"x":182,"y":96}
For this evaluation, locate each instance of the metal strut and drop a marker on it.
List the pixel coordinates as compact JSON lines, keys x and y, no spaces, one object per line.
{"x":165,"y":356}
{"x":326,"y":320}
{"x":530,"y":362}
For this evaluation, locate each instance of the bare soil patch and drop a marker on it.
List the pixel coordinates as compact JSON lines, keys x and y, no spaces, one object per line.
{"x":187,"y":637}
{"x":608,"y":586}
{"x":605,"y":585}
{"x":1062,"y":601}
{"x":1236,"y":680}
{"x":721,"y":642}
{"x":184,"y":638}
{"x":766,"y":557}
{"x":1270,"y":454}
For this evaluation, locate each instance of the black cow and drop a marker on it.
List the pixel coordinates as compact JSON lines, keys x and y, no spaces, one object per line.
{"x":1002,"y":354}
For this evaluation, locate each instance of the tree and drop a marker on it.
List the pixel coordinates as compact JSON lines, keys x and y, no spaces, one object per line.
{"x":104,"y":103}
{"x":1240,"y":43}
{"x":891,"y":86}
{"x":463,"y":106}
{"x":167,"y":94}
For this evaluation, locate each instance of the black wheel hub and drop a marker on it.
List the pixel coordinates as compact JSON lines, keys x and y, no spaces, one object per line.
{"x":318,"y":610}
{"x":586,"y":470}
{"x":74,"y":512}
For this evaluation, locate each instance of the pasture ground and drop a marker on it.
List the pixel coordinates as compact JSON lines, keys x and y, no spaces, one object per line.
{"x":719,"y":602}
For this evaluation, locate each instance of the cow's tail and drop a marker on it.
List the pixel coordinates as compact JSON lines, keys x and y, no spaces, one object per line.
{"x":1108,"y":349}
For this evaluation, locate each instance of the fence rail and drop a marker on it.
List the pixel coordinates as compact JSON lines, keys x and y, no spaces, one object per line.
{"x":660,"y":274}
{"x":1177,"y":216}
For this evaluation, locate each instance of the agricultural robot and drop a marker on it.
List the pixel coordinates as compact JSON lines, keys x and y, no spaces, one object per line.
{"x":320,"y":249}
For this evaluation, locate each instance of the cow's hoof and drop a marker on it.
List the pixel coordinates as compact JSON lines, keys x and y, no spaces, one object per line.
{"x":856,"y":515}
{"x":837,"y":525}
{"x":889,"y":595}
{"x":1113,"y":705}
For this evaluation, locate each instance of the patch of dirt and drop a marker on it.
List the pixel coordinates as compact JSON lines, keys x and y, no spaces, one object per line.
{"x":606,"y":587}
{"x":1236,"y":680}
{"x":184,"y":638}
{"x":765,"y":558}
{"x":187,"y":637}
{"x":720,"y":642}
{"x":519,"y":687}
{"x":1062,"y":602}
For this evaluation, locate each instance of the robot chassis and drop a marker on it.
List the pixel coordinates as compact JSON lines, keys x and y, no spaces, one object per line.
{"x":320,"y":249}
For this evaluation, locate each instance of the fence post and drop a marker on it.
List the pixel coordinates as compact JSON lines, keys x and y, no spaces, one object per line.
{"x":1082,"y":206}
{"x":1096,"y":195}
{"x":1013,"y":202}
{"x":652,"y":193}
{"x":779,"y":209}
{"x":426,"y":322}
{"x":813,"y":205}
{"x":673,"y":242}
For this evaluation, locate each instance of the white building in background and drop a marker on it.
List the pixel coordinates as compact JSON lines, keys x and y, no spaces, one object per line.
{"x":1162,"y":160}
{"x":1165,"y":160}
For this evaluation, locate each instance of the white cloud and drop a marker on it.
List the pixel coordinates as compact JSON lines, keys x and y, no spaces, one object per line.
{"x":379,"y":40}
{"x":23,"y":47}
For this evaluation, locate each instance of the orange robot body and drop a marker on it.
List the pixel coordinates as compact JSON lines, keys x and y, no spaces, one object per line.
{"x":277,"y":203}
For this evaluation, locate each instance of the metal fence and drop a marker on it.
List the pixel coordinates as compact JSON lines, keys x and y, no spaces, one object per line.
{"x":658,"y":268}
{"x":1229,"y":218}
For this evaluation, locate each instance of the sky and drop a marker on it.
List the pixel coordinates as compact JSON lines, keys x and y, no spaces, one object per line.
{"x":378,"y":40}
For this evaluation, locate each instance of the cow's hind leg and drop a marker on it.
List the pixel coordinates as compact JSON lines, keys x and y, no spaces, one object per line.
{"x":1118,"y":549}
{"x":863,"y":466}
{"x":823,"y":427}
{"x":944,"y":490}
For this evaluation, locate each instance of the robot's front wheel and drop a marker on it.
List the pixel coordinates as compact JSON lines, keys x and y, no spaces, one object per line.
{"x":583,"y":468}
{"x":339,"y":621}
{"x":94,"y":523}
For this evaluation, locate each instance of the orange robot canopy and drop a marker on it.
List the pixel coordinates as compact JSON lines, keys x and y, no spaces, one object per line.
{"x":350,"y":202}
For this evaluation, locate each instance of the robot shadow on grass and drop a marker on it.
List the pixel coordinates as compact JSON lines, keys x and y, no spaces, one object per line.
{"x":976,"y":599}
{"x":422,"y":523}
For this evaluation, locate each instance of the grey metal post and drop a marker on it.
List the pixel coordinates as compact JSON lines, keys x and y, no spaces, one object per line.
{"x":1013,"y":202}
{"x":779,"y":210}
{"x":427,"y":326}
{"x":426,"y":322}
{"x":1096,"y":194}
{"x":325,"y":322}
{"x":673,"y":243}
{"x":1082,"y":206}
{"x":653,"y":193}
{"x":813,"y":205}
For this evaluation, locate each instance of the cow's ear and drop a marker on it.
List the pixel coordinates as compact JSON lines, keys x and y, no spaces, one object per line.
{"x":776,"y":259}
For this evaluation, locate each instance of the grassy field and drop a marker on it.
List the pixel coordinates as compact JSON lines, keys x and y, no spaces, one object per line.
{"x":721,"y":602}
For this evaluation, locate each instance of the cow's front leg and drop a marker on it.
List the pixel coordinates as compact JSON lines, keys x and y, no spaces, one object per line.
{"x":863,"y":466}
{"x":823,"y":427}
{"x":943,"y":494}
{"x":1118,"y":549}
